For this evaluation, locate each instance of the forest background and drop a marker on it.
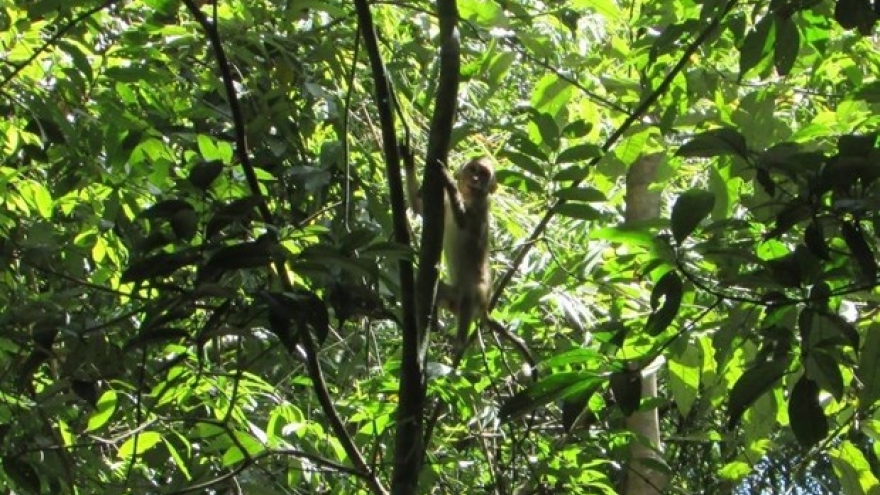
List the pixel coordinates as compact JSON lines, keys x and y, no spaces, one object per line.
{"x":211,"y":283}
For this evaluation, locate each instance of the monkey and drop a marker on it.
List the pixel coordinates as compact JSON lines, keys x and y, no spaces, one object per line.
{"x":466,"y":244}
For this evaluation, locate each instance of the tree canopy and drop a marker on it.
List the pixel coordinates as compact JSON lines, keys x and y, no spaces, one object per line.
{"x":212,"y":282}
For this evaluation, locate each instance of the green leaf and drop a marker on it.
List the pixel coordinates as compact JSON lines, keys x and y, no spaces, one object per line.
{"x":166,"y":209}
{"x":577,"y":129}
{"x":579,"y":153}
{"x":254,"y":254}
{"x":178,"y":459}
{"x":583,"y":194}
{"x":852,"y":469}
{"x":756,"y":46}
{"x":158,"y":266}
{"x":574,"y":173}
{"x":814,"y":239}
{"x":824,"y":370}
{"x":203,"y":174}
{"x":103,"y":411}
{"x":684,"y":377}
{"x":549,"y":389}
{"x":754,"y":383}
{"x":627,"y":388}
{"x":41,"y":199}
{"x":805,"y":413}
{"x":855,"y":14}
{"x":861,"y":251}
{"x":579,"y":211}
{"x":483,"y":13}
{"x":868,"y":371}
{"x":22,"y":473}
{"x":526,"y":163}
{"x":787,"y":44}
{"x":668,"y":289}
{"x":548,"y":129}
{"x":689,"y":210}
{"x":716,"y":142}
{"x":138,"y":444}
{"x":626,"y":236}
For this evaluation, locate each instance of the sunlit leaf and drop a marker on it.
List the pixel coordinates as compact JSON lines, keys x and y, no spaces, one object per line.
{"x":104,"y":410}
{"x":139,"y":443}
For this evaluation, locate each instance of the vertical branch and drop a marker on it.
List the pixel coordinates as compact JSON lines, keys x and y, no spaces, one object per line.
{"x":433,"y":185}
{"x":409,"y":450}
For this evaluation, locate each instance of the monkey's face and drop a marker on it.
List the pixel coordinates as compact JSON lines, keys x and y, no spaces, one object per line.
{"x":476,"y":179}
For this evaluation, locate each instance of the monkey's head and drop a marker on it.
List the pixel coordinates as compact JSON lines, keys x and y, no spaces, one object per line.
{"x":476,"y":179}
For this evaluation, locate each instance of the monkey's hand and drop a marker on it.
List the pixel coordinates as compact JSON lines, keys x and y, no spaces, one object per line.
{"x":456,"y":202}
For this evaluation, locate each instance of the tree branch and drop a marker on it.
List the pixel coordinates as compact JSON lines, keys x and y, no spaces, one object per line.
{"x":408,"y":449}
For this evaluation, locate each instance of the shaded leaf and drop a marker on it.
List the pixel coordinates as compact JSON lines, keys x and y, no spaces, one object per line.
{"x":814,"y":239}
{"x":572,"y":408}
{"x":584,"y":194}
{"x":689,"y":210}
{"x":156,"y":336}
{"x":549,"y":389}
{"x":627,"y":388}
{"x":754,"y":383}
{"x":245,"y":255}
{"x":85,"y":390}
{"x":787,"y":44}
{"x":580,"y":211}
{"x":868,"y":371}
{"x":579,"y":153}
{"x":160,"y":265}
{"x":184,"y":223}
{"x":825,"y":371}
{"x":575,"y":173}
{"x":202,"y":174}
{"x":547,"y":128}
{"x":716,"y":142}
{"x":669,"y":289}
{"x":293,"y":312}
{"x":526,"y":163}
{"x":22,"y":474}
{"x":858,"y":246}
{"x":166,"y":209}
{"x":805,"y":413}
{"x":239,"y":210}
{"x":577,"y":129}
{"x":756,"y":46}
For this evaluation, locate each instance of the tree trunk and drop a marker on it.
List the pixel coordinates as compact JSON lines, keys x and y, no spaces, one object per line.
{"x":641,"y":476}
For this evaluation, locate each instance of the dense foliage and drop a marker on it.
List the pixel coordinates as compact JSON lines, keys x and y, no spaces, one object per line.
{"x":202,"y":285}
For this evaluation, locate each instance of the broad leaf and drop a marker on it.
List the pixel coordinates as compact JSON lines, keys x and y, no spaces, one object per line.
{"x":689,"y":210}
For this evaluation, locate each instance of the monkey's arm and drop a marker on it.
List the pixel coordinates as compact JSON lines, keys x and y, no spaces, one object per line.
{"x":453,"y":197}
